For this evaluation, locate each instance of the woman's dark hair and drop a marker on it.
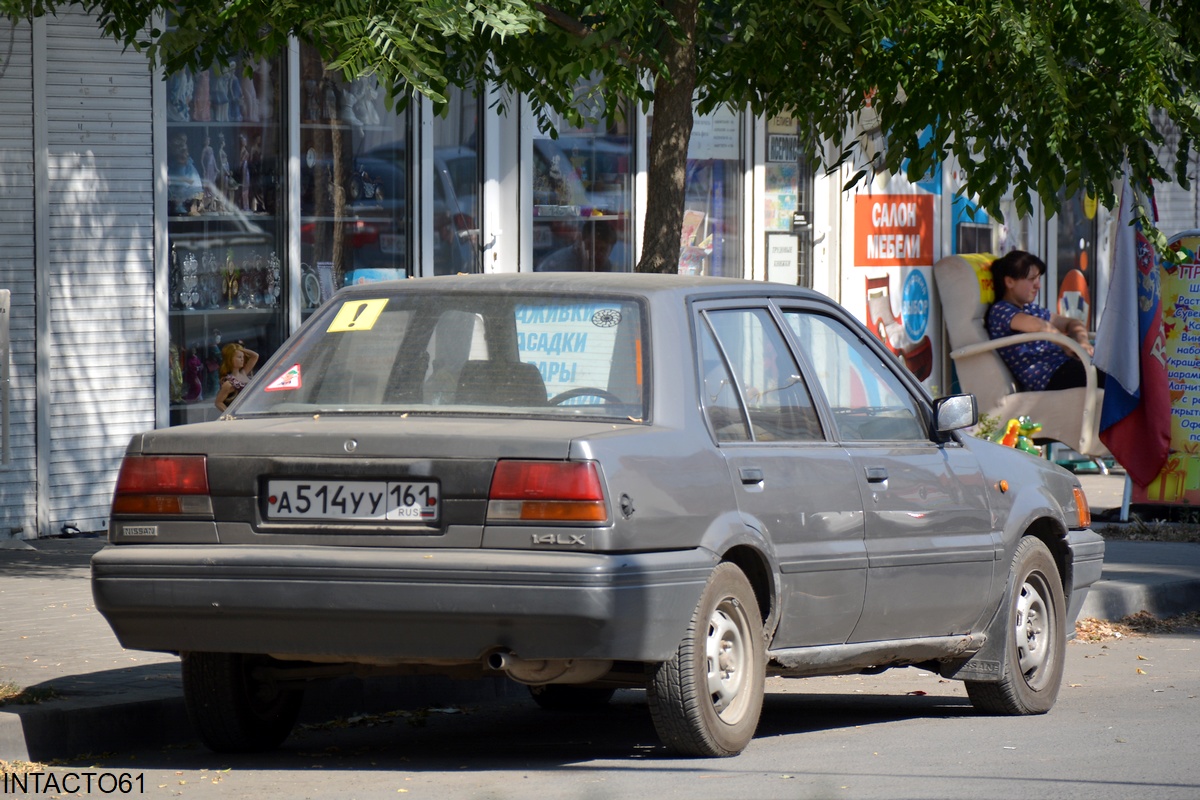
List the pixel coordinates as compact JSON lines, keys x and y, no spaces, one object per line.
{"x":1016,"y":264}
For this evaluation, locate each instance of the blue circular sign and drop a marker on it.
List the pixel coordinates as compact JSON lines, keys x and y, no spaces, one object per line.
{"x":914,"y":307}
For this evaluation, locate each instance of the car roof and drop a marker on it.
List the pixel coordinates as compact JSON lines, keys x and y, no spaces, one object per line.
{"x":648,"y":285}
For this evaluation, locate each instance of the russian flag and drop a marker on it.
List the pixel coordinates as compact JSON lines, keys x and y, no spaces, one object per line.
{"x":1135,"y":419}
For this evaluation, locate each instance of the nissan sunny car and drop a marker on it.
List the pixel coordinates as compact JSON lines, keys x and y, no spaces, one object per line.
{"x":588,"y":482}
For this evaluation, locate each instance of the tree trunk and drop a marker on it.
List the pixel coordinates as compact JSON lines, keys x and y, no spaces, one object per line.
{"x":668,"y":147}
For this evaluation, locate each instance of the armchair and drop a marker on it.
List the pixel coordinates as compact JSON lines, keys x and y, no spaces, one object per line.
{"x":1069,"y":416}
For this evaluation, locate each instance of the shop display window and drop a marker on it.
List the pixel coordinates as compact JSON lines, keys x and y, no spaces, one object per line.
{"x":582,"y":198}
{"x":354,"y":183}
{"x":457,"y":179}
{"x":711,"y":236}
{"x":225,"y":224}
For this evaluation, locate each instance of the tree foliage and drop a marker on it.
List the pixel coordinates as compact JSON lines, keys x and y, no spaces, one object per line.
{"x":1033,"y":97}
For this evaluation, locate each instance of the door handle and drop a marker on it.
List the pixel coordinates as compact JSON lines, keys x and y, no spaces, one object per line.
{"x":750,"y":475}
{"x":877,"y":475}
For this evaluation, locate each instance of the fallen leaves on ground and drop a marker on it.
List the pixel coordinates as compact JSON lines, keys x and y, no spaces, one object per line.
{"x":1140,"y":624}
{"x":1154,"y":530}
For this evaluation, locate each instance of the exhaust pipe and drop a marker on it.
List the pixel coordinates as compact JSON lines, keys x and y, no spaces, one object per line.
{"x":537,"y":671}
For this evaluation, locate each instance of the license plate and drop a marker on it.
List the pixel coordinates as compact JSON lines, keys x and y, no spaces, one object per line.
{"x":354,"y":501}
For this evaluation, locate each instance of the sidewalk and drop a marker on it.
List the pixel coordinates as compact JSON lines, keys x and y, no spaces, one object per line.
{"x":52,"y":636}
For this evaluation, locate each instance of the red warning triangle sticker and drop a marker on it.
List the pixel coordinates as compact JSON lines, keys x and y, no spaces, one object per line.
{"x":288,"y":380}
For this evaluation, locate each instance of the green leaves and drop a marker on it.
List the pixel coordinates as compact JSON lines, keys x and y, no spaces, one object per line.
{"x":1033,"y":97}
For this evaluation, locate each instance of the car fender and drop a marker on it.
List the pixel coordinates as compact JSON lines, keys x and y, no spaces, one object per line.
{"x":734,"y":536}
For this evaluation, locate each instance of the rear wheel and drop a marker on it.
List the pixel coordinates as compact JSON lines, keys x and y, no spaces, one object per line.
{"x":1036,"y":638}
{"x":707,"y":699}
{"x":232,"y":710}
{"x":567,"y":697}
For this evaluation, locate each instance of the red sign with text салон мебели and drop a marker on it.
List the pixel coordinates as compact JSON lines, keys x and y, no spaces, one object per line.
{"x":893,"y":230}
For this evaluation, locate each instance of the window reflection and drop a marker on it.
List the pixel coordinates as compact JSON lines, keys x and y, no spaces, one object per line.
{"x":456,"y":186}
{"x":354,"y":183}
{"x":582,"y":190}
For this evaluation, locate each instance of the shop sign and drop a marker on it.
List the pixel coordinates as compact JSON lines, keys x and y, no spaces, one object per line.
{"x":783,"y":147}
{"x":893,"y":230}
{"x":783,"y":260}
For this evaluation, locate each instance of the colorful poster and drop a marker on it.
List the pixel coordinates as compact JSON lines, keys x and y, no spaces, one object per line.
{"x":1179,"y":480}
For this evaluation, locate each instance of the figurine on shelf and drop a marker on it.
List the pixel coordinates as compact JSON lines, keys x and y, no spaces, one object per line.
{"x":219,"y":93}
{"x":180,"y":87}
{"x":185,"y":189}
{"x":235,"y":95}
{"x":208,"y":171}
{"x":250,"y":110}
{"x":237,"y":367}
{"x":230,"y":280}
{"x":210,"y":281}
{"x":225,"y":182}
{"x":201,"y":102}
{"x":244,"y":167}
{"x":193,"y":388}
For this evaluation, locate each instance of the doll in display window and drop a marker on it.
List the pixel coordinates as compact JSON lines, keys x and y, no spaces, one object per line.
{"x":185,"y":189}
{"x":201,"y":103}
{"x":180,"y":87}
{"x":208,"y":171}
{"x":237,"y":367}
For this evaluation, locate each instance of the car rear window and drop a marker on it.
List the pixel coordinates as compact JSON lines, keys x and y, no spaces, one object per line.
{"x":458,"y":352}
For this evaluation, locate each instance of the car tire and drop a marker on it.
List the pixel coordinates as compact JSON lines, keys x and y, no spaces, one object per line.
{"x":706,"y":700}
{"x":1036,"y":642}
{"x":567,"y":697}
{"x":231,"y":710}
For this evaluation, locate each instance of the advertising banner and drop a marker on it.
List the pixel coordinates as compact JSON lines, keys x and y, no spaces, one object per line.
{"x":893,"y":255}
{"x":1179,"y":480}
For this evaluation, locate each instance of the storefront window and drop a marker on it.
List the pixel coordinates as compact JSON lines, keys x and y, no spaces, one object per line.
{"x":582,"y":196}
{"x":711,"y":239}
{"x":354,"y":183}
{"x":225,"y":224}
{"x":457,"y":181}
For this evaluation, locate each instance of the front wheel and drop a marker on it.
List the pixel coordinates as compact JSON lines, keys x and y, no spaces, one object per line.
{"x":231,"y":709}
{"x":1036,"y":640}
{"x":706,"y":700}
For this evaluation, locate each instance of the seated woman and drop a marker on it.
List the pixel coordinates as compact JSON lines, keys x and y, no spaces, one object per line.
{"x":1037,"y":365}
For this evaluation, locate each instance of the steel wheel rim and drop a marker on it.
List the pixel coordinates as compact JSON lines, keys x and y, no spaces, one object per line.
{"x":1033,"y":631}
{"x":727,"y":659}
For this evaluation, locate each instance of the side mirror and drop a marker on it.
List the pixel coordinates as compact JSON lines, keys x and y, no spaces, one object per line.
{"x":955,"y":412}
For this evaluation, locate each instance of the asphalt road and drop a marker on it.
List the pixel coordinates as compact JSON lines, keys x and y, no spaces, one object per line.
{"x":1124,"y":726}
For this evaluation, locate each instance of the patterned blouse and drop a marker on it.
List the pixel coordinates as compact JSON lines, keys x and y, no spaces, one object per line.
{"x":1031,"y":363}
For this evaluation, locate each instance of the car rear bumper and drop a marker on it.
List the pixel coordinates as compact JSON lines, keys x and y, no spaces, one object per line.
{"x":377,"y":605}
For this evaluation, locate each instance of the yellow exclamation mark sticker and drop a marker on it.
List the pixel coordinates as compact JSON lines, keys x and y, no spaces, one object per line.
{"x":357,"y":315}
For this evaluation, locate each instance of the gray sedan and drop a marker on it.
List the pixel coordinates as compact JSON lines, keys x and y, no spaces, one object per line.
{"x":588,"y":482}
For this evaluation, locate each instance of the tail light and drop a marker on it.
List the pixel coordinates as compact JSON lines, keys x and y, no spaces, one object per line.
{"x":162,"y":485}
{"x":546,"y":491}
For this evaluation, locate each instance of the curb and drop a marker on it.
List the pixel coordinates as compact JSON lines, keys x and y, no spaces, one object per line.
{"x":1112,"y":600}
